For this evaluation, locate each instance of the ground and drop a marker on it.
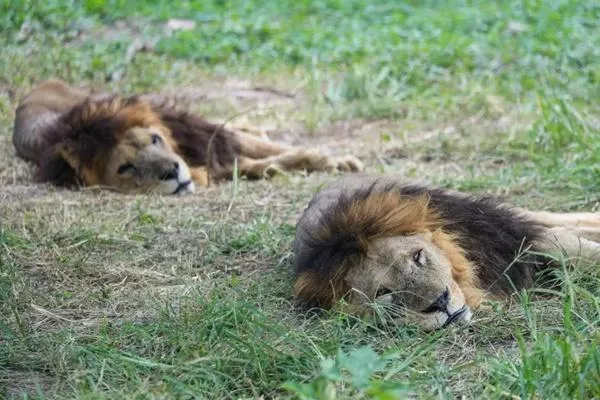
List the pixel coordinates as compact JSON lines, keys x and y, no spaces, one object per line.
{"x":105,"y":295}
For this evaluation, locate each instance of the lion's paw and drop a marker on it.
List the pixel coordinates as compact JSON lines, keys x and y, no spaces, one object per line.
{"x":273,"y":169}
{"x":345,"y":164}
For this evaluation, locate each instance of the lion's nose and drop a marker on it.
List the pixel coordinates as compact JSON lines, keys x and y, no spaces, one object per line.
{"x":172,"y":173}
{"x":440,"y":304}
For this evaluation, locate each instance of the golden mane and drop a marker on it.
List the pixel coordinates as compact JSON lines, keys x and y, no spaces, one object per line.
{"x":463,"y":271}
{"x":381,"y":215}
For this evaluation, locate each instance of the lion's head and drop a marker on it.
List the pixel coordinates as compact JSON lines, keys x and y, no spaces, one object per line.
{"x":412,"y":278}
{"x":121,"y":144}
{"x":383,"y":248}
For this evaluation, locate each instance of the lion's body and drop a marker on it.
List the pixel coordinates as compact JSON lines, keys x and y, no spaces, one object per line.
{"x":72,"y":134}
{"x":39,"y":111}
{"x":349,"y":229}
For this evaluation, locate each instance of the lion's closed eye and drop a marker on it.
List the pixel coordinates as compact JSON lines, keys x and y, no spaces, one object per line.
{"x":124,"y":168}
{"x":382,"y":292}
{"x":419,"y":257}
{"x":156,"y":139}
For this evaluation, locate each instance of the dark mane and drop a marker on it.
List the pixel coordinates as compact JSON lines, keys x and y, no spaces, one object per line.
{"x":95,"y":125}
{"x":90,"y":128}
{"x":193,"y":134}
{"x":494,"y":237}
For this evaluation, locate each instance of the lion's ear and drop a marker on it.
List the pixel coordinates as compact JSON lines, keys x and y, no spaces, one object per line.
{"x":70,"y":151}
{"x":62,"y":166}
{"x":53,"y":167}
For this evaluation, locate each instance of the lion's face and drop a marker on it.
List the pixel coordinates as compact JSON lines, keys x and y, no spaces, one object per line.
{"x":412,"y":279}
{"x":144,"y":161}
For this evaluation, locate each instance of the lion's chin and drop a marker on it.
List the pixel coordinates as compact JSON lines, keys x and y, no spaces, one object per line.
{"x":185,"y":188}
{"x":441,"y":320}
{"x":175,"y":187}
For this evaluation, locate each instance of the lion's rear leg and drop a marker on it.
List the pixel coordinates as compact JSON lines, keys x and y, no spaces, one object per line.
{"x":254,"y":147}
{"x":575,"y":219}
{"x":297,"y":160}
{"x":580,"y":224}
{"x":568,"y":242}
{"x":260,"y":158}
{"x":588,"y":233}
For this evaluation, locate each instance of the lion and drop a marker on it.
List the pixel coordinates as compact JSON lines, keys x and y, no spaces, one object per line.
{"x":427,"y":255}
{"x":140,"y":144}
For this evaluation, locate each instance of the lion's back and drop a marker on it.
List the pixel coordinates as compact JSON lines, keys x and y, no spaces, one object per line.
{"x":38,"y":112}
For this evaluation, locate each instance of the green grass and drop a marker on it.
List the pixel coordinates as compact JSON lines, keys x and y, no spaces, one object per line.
{"x":109,"y":296}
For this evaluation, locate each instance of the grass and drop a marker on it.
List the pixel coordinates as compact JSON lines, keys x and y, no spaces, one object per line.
{"x":111,"y":296}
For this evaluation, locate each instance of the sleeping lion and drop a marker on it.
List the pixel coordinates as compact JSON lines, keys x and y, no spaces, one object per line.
{"x":142,"y":144}
{"x":427,"y":255}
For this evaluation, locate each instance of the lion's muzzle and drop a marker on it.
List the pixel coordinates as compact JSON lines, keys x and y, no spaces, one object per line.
{"x":461,"y":316}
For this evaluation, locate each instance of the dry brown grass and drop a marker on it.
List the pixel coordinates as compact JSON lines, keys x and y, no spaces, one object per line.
{"x":172,"y":233}
{"x":92,"y":256}
{"x":83,"y":260}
